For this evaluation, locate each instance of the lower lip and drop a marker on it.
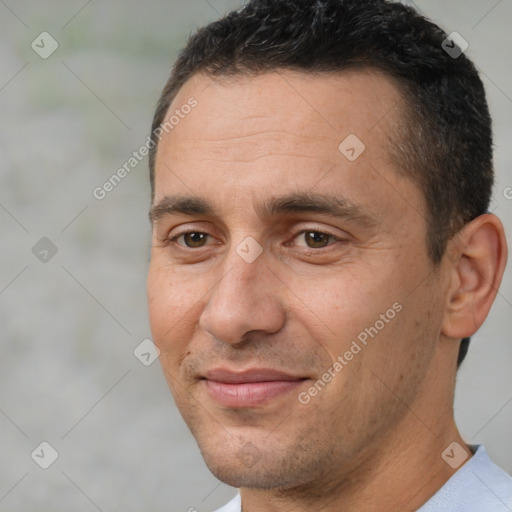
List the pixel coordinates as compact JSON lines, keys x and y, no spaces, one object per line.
{"x":249,"y":394}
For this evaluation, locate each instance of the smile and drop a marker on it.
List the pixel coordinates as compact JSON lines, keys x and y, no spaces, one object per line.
{"x":249,"y":388}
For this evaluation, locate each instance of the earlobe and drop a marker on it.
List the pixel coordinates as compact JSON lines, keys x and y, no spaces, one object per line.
{"x":478,"y":258}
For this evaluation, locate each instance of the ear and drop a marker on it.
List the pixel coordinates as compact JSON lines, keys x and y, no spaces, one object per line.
{"x":477,"y":256}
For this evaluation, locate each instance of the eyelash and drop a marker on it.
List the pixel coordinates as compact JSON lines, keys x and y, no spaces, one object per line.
{"x":336,"y":239}
{"x":175,"y":238}
{"x":333,"y":239}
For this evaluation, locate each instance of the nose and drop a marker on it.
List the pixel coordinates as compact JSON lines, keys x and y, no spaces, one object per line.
{"x":246,"y":299}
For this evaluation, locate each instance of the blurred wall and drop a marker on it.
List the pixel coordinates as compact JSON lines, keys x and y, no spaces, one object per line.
{"x":72,"y":265}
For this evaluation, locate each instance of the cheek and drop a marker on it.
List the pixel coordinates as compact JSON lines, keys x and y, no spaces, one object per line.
{"x":344,"y":303}
{"x":173,"y":305}
{"x":366,"y":315}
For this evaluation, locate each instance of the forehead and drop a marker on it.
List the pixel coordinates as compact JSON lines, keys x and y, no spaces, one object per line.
{"x":315,"y":108}
{"x":257,"y":135}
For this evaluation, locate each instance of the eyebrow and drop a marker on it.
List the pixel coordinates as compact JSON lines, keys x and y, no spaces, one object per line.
{"x":184,"y":205}
{"x":305,"y":202}
{"x":332,"y":205}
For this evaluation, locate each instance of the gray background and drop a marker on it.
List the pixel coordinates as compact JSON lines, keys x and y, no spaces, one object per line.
{"x":69,"y":325}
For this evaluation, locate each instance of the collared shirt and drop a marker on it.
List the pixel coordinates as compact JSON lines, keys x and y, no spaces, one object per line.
{"x":478,"y":486}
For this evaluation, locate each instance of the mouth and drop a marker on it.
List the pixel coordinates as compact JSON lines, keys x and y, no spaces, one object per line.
{"x":249,"y":388}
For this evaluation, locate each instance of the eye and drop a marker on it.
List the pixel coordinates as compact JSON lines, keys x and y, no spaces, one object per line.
{"x":192,"y":239}
{"x":314,"y":239}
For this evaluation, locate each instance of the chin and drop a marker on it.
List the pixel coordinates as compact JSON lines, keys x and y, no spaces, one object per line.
{"x":236,"y":474}
{"x":260,"y":466}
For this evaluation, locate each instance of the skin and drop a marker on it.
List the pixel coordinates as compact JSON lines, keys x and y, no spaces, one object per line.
{"x":372,"y":438}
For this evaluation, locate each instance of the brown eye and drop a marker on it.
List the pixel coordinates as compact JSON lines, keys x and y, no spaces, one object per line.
{"x":194,"y":239}
{"x":316,"y":239}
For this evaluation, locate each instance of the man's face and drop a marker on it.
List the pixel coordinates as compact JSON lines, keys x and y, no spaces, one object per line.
{"x":290,"y":291}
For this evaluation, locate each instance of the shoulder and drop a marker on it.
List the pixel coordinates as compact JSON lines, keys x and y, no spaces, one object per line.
{"x":478,"y":486}
{"x":234,"y":505}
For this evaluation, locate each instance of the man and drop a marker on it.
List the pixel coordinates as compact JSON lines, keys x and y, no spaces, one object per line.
{"x":321,"y":173}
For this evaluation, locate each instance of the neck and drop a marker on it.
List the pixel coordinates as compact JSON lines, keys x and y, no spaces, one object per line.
{"x":398,"y":472}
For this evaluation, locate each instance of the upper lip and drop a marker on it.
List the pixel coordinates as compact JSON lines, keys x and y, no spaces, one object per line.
{"x":247,"y":376}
